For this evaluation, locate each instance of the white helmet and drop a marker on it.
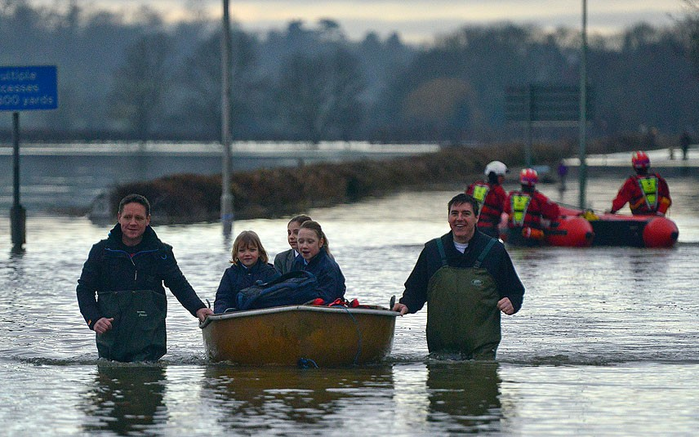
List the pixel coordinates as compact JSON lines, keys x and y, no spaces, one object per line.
{"x":496,"y":167}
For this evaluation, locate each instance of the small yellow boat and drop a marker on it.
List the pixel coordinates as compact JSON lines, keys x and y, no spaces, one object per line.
{"x":300,"y":335}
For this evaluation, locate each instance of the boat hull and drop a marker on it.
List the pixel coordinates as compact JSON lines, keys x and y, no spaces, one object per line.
{"x":570,"y":232}
{"x":634,"y":231}
{"x":575,"y":228}
{"x":283,"y":336}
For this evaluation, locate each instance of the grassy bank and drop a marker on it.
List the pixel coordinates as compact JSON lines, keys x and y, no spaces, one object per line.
{"x":281,"y":192}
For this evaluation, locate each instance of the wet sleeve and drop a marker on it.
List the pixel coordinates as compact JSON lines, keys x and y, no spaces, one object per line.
{"x":501,"y":199}
{"x":179,"y":286}
{"x":623,"y":196}
{"x":507,"y":208}
{"x":331,"y":283}
{"x":87,"y":287}
{"x":549,"y":209}
{"x":415,"y":294}
{"x":279,"y":262}
{"x":225,"y":297}
{"x":508,"y":282}
{"x":664,"y":195}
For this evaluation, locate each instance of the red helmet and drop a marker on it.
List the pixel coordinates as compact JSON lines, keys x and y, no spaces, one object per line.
{"x":640,"y":160}
{"x":528,"y":176}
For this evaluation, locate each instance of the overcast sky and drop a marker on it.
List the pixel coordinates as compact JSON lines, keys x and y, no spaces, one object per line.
{"x":416,"y":20}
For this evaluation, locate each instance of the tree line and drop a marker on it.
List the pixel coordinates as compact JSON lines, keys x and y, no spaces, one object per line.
{"x":139,"y":78}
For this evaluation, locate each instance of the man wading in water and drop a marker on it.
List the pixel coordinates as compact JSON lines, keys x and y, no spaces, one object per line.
{"x":127,"y":271}
{"x":467,"y":279}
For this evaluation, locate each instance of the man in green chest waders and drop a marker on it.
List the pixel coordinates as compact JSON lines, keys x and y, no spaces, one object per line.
{"x":467,"y":279}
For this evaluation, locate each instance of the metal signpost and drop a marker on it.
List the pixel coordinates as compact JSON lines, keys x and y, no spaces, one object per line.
{"x":24,"y":89}
{"x":545,"y":106}
{"x":226,"y":196}
{"x":583,"y":113}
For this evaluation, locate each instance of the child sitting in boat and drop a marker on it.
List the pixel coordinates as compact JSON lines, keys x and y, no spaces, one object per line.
{"x":250,"y":264}
{"x":314,"y":256}
{"x":284,"y":260}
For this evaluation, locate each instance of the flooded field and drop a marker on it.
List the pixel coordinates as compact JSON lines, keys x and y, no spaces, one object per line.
{"x":607,"y":342}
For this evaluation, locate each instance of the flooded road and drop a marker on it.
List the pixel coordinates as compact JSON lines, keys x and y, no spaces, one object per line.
{"x":607,"y":341}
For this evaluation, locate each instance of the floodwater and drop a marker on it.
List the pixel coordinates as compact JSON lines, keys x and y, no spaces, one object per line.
{"x":607,"y":342}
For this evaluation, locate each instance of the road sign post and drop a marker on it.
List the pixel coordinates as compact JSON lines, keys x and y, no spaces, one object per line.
{"x":24,"y":89}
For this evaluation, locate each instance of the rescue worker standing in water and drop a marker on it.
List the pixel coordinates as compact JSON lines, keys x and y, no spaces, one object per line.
{"x":491,"y":198}
{"x":646,"y":192}
{"x":525,"y":210}
{"x":467,"y":279}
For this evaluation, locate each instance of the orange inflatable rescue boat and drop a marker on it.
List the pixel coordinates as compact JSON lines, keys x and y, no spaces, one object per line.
{"x":623,"y":230}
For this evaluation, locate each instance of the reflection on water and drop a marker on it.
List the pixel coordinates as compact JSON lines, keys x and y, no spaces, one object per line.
{"x":259,"y":400}
{"x":126,"y":399}
{"x":464,"y":396}
{"x":599,"y":326}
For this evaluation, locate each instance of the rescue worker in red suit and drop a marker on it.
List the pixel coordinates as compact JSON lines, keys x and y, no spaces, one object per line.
{"x":646,"y":192}
{"x":491,"y":197}
{"x":525,"y":210}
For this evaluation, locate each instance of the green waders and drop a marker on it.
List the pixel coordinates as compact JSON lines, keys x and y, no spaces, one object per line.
{"x":138,"y":330}
{"x":462,"y":312}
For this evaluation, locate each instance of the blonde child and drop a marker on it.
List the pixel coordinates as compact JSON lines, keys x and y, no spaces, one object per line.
{"x":249,"y":264}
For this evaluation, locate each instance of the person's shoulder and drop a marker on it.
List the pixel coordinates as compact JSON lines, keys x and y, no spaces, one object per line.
{"x":481,"y":239}
{"x":432,"y":245}
{"x":266,"y":267}
{"x":433,"y":241}
{"x":99,"y":247}
{"x":283,"y":254}
{"x":102,"y":243}
{"x":233,"y":270}
{"x":151,"y":239}
{"x":541,"y":196}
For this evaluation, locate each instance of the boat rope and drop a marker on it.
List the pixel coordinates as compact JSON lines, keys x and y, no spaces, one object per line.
{"x":306,"y":363}
{"x":359,"y":337}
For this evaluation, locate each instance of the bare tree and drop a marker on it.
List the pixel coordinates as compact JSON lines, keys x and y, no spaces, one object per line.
{"x":201,"y":79}
{"x":320,"y":96}
{"x":692,"y":24}
{"x":141,"y":83}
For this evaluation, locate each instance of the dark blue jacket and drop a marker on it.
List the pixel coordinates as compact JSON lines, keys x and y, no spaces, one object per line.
{"x":331,"y":282}
{"x":237,"y":277}
{"x":113,"y":266}
{"x":497,"y":263}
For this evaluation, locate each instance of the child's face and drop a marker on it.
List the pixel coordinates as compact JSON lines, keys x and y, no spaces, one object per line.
{"x":292,"y":231}
{"x":308,"y":244}
{"x":247,"y":255}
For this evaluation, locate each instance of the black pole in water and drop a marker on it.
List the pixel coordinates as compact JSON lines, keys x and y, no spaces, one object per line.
{"x":18,"y":214}
{"x":583,"y":110}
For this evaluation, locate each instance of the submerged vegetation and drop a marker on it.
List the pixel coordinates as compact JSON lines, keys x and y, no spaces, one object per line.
{"x":278,"y":192}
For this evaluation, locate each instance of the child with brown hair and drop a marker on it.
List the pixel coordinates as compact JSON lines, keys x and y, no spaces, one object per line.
{"x":315,"y":258}
{"x":285,"y":260}
{"x":249,"y":265}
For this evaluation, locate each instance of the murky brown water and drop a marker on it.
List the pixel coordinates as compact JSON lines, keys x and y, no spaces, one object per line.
{"x":607,"y":342}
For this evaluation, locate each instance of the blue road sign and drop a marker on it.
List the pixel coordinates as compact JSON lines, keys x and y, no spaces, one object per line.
{"x":28,"y":88}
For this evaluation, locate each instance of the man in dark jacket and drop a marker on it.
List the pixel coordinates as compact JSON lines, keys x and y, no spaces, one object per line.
{"x":126,"y":271}
{"x":467,"y":279}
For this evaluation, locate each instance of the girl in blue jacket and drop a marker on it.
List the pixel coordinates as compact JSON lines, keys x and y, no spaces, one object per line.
{"x":250,"y":264}
{"x":314,"y":256}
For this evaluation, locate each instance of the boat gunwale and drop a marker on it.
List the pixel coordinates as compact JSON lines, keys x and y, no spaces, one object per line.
{"x":293,"y":308}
